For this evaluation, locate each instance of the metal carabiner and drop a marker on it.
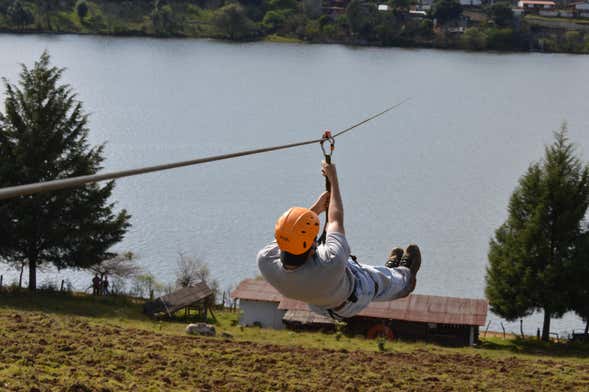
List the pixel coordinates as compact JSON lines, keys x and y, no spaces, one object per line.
{"x":327,"y":137}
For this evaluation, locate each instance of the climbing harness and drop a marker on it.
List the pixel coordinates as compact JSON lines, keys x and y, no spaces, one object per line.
{"x":72,"y":182}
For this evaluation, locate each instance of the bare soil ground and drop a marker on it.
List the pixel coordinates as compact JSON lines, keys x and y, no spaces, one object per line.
{"x":48,"y":352}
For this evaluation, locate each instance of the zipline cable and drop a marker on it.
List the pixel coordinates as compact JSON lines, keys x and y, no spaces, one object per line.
{"x":54,"y":185}
{"x":370,"y":118}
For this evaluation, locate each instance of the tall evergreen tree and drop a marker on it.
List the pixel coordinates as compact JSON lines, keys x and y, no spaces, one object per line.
{"x":82,"y":9}
{"x":43,"y":136}
{"x":446,"y":10}
{"x":47,"y":7}
{"x":359,"y":17}
{"x":19,"y":15}
{"x":533,"y":254}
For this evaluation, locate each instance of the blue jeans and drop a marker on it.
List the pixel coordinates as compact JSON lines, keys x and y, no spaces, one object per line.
{"x":373,"y":283}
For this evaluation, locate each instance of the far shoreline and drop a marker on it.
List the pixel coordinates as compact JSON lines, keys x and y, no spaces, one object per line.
{"x":275,"y":39}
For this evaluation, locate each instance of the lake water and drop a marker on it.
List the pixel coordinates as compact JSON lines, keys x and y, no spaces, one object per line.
{"x":437,"y":171}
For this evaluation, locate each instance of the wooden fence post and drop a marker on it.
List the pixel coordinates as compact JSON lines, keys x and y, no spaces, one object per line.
{"x":61,"y":288}
{"x":486,"y":329}
{"x":1,"y":279}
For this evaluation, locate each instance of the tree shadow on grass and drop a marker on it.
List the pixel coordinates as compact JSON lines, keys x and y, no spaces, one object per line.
{"x":84,"y":305}
{"x":76,"y":304}
{"x":539,"y":348}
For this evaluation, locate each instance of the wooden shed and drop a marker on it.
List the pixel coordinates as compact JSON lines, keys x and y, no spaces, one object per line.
{"x":197,"y":297}
{"x":441,"y":319}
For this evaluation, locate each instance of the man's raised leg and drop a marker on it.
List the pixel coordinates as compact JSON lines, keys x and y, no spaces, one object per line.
{"x":398,"y":278}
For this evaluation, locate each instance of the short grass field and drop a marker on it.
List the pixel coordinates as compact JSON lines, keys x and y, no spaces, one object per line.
{"x":54,"y":342}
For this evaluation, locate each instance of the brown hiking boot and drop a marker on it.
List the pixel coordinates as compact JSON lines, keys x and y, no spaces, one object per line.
{"x":412,"y":261}
{"x":394,"y":259}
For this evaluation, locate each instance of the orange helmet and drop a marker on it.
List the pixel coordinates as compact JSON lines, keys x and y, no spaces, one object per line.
{"x":296,"y":230}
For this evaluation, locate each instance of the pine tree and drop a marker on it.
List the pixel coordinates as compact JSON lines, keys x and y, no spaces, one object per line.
{"x":533,"y":254}
{"x":19,"y":15}
{"x":43,"y":136}
{"x":82,"y":9}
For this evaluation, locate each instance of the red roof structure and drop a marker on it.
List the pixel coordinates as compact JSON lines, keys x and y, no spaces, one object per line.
{"x":256,"y":290}
{"x":538,"y":2}
{"x":416,"y":307}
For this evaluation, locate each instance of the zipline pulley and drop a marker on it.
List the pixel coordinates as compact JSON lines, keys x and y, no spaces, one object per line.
{"x":327,"y":138}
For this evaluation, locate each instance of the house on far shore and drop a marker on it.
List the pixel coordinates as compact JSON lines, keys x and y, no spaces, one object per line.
{"x":424,"y":5}
{"x":471,"y":3}
{"x":334,"y":8}
{"x":581,"y":9}
{"x":446,"y":320}
{"x":535,"y":6}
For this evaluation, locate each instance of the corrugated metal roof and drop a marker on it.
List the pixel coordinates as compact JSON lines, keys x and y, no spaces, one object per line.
{"x":416,"y":307}
{"x":256,"y":290}
{"x":431,"y":309}
{"x":306,"y":317}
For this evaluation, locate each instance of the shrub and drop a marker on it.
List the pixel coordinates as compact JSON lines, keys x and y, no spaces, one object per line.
{"x":312,"y":30}
{"x":163,"y":20}
{"x":329,"y":30}
{"x":573,"y":41}
{"x":282,"y":4}
{"x":548,"y":44}
{"x":502,"y":14}
{"x":233,"y":23}
{"x":380,"y":342}
{"x":194,"y":9}
{"x":501,"y":39}
{"x":96,"y":22}
{"x":474,"y":39}
{"x":274,"y":20}
{"x":426,"y":28}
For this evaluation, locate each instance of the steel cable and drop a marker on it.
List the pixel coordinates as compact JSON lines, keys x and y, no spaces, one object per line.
{"x":54,"y":185}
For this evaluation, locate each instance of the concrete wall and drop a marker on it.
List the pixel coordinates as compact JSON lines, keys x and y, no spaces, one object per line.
{"x":265,"y":313}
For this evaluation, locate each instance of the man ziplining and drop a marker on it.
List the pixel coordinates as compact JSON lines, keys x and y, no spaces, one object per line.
{"x":325,"y":276}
